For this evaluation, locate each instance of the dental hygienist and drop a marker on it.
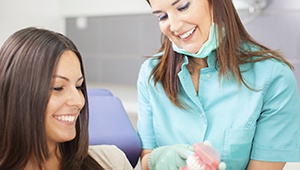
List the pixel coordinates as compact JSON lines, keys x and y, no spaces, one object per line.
{"x":210,"y":80}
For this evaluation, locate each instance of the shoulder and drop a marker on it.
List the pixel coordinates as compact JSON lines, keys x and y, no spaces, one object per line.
{"x":264,"y":68}
{"x":275,"y":78}
{"x":109,"y":157}
{"x":281,"y":76}
{"x":273,"y":68}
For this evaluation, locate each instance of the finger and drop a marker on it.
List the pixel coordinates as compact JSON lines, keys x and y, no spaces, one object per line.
{"x":189,"y":147}
{"x":222,"y":166}
{"x":184,"y":153}
{"x":180,"y":162}
{"x":207,"y":143}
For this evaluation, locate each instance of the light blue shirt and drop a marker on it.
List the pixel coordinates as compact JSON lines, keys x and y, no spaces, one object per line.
{"x":241,"y":124}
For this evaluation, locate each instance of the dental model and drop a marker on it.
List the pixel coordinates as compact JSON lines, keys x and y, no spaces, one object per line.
{"x":204,"y":158}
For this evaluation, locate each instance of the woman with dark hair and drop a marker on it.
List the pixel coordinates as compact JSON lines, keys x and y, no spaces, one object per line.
{"x":211,"y":81}
{"x":43,"y":106}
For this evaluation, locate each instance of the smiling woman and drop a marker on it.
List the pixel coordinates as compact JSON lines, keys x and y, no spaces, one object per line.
{"x":66,"y":100}
{"x":43,"y":113}
{"x":211,"y":81}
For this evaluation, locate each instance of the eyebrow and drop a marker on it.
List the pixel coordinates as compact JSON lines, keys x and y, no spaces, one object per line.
{"x":175,"y":2}
{"x":159,"y":11}
{"x":65,"y":78}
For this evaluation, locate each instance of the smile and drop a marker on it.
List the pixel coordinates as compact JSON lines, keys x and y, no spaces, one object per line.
{"x":66,"y":118}
{"x":185,"y":35}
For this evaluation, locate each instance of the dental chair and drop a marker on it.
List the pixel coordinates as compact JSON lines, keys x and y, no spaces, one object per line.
{"x":98,"y":92}
{"x":109,"y":124}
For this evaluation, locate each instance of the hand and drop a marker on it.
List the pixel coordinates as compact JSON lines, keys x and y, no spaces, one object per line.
{"x":204,"y":158}
{"x":170,"y":157}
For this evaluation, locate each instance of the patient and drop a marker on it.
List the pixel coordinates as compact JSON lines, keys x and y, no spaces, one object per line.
{"x":43,"y":106}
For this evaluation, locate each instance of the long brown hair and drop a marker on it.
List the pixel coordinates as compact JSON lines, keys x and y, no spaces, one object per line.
{"x":229,"y":55}
{"x":27,"y":63}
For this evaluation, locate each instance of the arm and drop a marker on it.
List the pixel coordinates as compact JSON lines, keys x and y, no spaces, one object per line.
{"x":255,"y":165}
{"x":109,"y":157}
{"x":144,"y":123}
{"x":277,"y":135}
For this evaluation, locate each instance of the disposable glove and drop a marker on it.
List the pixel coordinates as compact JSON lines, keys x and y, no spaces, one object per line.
{"x":170,"y":157}
{"x":204,"y":158}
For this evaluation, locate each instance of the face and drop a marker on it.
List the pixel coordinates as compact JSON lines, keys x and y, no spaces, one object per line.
{"x":185,"y":22}
{"x":66,"y":100}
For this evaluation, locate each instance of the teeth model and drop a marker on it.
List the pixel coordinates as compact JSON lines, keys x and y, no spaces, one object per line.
{"x":204,"y":158}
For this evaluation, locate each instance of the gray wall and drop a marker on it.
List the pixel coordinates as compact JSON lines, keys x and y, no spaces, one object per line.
{"x":113,"y":46}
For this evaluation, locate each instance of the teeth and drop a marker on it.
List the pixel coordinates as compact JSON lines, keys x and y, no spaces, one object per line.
{"x":66,"y":118}
{"x":193,"y":163}
{"x":185,"y":35}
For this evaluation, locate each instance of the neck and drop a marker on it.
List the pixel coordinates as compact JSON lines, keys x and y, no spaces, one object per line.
{"x":195,"y":64}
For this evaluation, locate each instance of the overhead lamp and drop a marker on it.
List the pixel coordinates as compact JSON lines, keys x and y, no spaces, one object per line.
{"x":249,"y":9}
{"x":81,"y":22}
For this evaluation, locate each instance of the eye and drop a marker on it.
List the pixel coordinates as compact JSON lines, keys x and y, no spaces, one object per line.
{"x":79,"y":87}
{"x":57,"y":88}
{"x":162,"y":17}
{"x":185,"y":7}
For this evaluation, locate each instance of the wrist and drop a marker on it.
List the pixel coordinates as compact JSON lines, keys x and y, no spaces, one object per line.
{"x":145,"y":161}
{"x":149,"y":161}
{"x":152,"y":158}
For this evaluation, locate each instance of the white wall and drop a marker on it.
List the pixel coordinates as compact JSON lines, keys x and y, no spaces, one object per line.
{"x":74,"y":8}
{"x":16,"y":14}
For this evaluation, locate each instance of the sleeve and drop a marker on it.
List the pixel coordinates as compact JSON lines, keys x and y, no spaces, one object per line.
{"x":145,"y":117}
{"x":109,"y":157}
{"x":277,"y":135}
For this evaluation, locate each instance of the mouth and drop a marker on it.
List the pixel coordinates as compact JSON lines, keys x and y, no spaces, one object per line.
{"x":187,"y":34}
{"x":66,"y":118}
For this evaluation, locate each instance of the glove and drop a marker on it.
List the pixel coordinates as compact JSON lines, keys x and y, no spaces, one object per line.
{"x":204,"y":158}
{"x":170,"y":157}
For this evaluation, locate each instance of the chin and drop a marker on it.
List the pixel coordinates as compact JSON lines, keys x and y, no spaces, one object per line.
{"x":68,"y":138}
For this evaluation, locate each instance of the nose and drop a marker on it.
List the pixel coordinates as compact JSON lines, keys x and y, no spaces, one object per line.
{"x":76,"y":99}
{"x":175,"y":23}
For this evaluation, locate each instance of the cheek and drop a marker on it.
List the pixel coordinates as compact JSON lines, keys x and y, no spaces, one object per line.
{"x":53,"y":105}
{"x":83,"y":100}
{"x":164,"y":29}
{"x":50,"y":110}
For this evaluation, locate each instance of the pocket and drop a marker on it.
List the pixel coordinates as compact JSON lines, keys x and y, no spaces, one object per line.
{"x":237,"y":148}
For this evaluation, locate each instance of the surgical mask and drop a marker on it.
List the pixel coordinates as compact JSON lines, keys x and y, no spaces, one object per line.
{"x":206,"y":49}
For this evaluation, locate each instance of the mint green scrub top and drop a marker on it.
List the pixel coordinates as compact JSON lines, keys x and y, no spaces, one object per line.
{"x":240,"y":123}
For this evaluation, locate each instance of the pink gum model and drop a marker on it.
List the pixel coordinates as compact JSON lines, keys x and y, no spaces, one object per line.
{"x":204,"y":158}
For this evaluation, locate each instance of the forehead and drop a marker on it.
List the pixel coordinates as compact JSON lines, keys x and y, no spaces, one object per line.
{"x":165,"y":5}
{"x":157,"y":3}
{"x":68,"y":64}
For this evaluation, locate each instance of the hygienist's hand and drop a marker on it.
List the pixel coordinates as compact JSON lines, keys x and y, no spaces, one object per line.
{"x":170,"y":157}
{"x":204,"y":158}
